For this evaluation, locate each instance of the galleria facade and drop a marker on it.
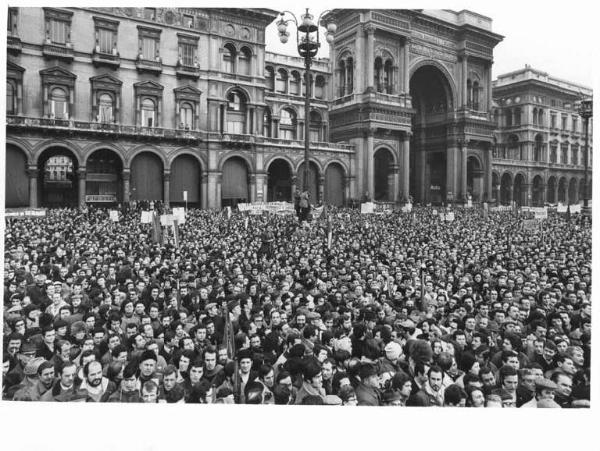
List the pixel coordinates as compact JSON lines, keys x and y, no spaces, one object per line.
{"x":110,"y":105}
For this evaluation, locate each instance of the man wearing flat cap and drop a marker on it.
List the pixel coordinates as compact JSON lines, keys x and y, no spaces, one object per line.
{"x":367,"y":392}
{"x":544,"y":390}
{"x":26,"y":389}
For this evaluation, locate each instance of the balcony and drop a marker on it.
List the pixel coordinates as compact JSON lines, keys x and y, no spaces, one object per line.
{"x":101,"y":130}
{"x":401,"y":100}
{"x":13,"y":44}
{"x":187,"y":71}
{"x":60,"y":51}
{"x":152,"y":66}
{"x":106,"y":59}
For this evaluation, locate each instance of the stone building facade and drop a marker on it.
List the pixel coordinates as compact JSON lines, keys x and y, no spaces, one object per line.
{"x":149,"y":103}
{"x":412,"y":92}
{"x":152,"y":103}
{"x":539,"y":154}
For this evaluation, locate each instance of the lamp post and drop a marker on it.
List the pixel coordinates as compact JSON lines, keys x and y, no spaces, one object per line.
{"x":308,"y":40}
{"x":586,"y":112}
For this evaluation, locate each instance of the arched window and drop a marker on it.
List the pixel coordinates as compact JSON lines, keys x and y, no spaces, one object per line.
{"x":564,"y":153}
{"x":469,"y":93}
{"x":59,"y":105}
{"x":281,"y":81}
{"x":270,"y":78}
{"x":236,"y":112}
{"x":537,"y":150}
{"x":295,"y":83}
{"x":315,"y":126}
{"x":319,"y":87}
{"x":541,"y":117}
{"x":186,"y":116}
{"x":229,"y":59}
{"x":535,"y":118}
{"x":388,"y":77}
{"x":378,"y":75}
{"x":475,"y":96}
{"x":509,"y":121}
{"x":267,"y":119}
{"x":553,"y":153}
{"x":349,"y":76}
{"x":105,"y":108}
{"x":10,"y":98}
{"x":244,"y":61}
{"x":148,"y":113}
{"x":574,"y":154}
{"x":287,"y":124}
{"x":342,"y":79}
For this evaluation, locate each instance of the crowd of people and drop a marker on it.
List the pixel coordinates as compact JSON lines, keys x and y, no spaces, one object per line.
{"x":397,"y":309}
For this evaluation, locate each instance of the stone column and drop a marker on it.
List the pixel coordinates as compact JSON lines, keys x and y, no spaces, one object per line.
{"x":321,"y":189}
{"x":347,"y":185}
{"x":370,"y":185}
{"x":463,"y":171}
{"x":204,"y":192}
{"x":370,"y":31}
{"x":406,"y":64}
{"x":488,"y":174}
{"x":33,"y":173}
{"x":126,"y":174}
{"x":527,"y":188}
{"x":489,"y":87}
{"x":394,"y":182}
{"x":293,"y":184}
{"x":406,"y":167}
{"x":166,"y":188}
{"x":252,"y":187}
{"x":453,"y":168}
{"x":81,"y":185}
{"x":544,"y":187}
{"x":464,"y":77}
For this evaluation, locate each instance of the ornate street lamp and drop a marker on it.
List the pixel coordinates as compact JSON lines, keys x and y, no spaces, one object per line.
{"x":308,"y":39}
{"x":585,"y":109}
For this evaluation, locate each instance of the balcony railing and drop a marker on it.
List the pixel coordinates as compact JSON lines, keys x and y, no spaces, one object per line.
{"x":13,"y":44}
{"x":107,"y":129}
{"x":184,"y":70}
{"x":154,"y":66}
{"x":104,"y":128}
{"x":62,"y":51}
{"x":402,"y":100}
{"x":106,"y":59}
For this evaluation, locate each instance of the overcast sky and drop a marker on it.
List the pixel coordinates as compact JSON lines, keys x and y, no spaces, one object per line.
{"x":557,"y":38}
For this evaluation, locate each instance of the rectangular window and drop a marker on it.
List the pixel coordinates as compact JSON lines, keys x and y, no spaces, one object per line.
{"x":149,"y":13}
{"x":553,"y":121}
{"x":564,"y":122}
{"x":314,"y":135}
{"x":574,"y":125}
{"x":188,"y":54}
{"x":148,"y":49}
{"x":188,"y":21}
{"x":58,"y":109}
{"x":286,"y":133}
{"x":58,"y":31}
{"x":105,"y":39}
{"x":148,"y":118}
{"x":106,"y":114}
{"x":235,"y":124}
{"x":186,"y":116}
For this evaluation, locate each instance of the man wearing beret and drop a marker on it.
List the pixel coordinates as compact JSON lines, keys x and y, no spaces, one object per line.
{"x":25,"y":391}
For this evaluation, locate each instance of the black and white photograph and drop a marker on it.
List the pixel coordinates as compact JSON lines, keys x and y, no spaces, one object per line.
{"x":320,"y":205}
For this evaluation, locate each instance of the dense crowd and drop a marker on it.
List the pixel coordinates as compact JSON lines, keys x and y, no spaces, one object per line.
{"x":399,"y":309}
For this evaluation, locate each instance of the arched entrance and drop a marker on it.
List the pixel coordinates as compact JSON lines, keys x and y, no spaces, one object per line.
{"x":551,"y":191}
{"x":104,"y":178}
{"x":562,"y":190}
{"x":520,"y":191}
{"x":279,"y":181}
{"x":475,"y":179}
{"x":495,"y":187}
{"x":334,"y":185}
{"x":573,"y":191}
{"x":582,"y":189}
{"x":186,"y":175}
{"x":146,"y":177}
{"x":16,"y":179}
{"x":384,"y":175}
{"x":537,"y":195}
{"x":506,"y":189}
{"x":234,"y":185}
{"x":57,"y":180}
{"x":313,"y":181}
{"x":432,"y":99}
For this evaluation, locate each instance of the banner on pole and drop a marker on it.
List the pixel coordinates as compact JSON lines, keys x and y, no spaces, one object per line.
{"x":179,"y":215}
{"x":185,"y":196}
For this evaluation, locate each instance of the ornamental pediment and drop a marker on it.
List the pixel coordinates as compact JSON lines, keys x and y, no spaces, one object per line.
{"x":106,"y":79}
{"x":188,"y":89}
{"x":57,"y":72}
{"x":148,"y":85}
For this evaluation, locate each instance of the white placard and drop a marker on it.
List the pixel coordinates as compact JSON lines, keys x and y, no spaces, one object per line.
{"x":367,"y":207}
{"x":185,"y":196}
{"x":114,"y":215}
{"x":179,"y":215}
{"x":146,"y":217}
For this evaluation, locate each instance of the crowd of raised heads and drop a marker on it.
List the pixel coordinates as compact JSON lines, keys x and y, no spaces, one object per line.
{"x":397,"y":309}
